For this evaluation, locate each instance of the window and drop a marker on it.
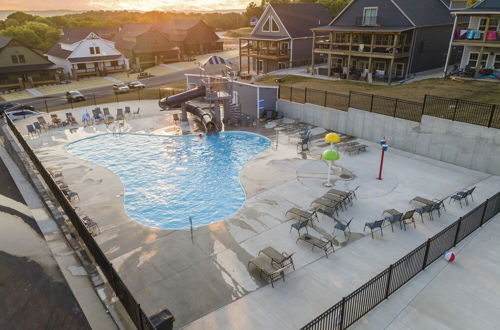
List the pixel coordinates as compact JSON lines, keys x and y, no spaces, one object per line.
{"x":284,"y":48}
{"x":496,"y":64}
{"x":21,"y":59}
{"x":265,"y":28}
{"x":81,"y":66}
{"x":260,"y":66}
{"x":473,"y":58}
{"x":274,"y":26}
{"x":492,"y":27}
{"x":380,"y":66}
{"x":370,"y":16}
{"x":97,"y":50}
{"x":14,"y":59}
{"x":282,"y":65}
{"x":92,"y":50}
{"x":114,"y":63}
{"x":400,"y":69}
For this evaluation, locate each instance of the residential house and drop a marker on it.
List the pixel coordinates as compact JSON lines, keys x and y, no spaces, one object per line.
{"x":193,"y":36}
{"x":145,"y":45}
{"x":81,"y":55}
{"x":480,"y":40}
{"x":24,"y":67}
{"x":385,"y":39}
{"x":282,"y":37}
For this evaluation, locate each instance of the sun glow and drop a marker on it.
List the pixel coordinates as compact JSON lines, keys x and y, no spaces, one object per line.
{"x":178,"y":5}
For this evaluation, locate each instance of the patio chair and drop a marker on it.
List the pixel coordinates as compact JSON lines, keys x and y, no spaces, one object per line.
{"x":108,"y":118}
{"x":56,"y":120}
{"x":136,"y":113}
{"x":42,"y":122}
{"x":303,"y":144}
{"x":327,"y":203}
{"x":352,"y":193}
{"x":243,"y":120}
{"x":38,"y":127}
{"x":232,"y":120}
{"x":31,"y":130}
{"x":458,"y":197}
{"x":438,"y":205}
{"x":97,"y":115}
{"x":127,"y":111}
{"x":331,"y":211}
{"x":86,"y":120}
{"x":395,"y":218}
{"x":70,"y":194}
{"x":408,"y":216}
{"x":119,"y":115}
{"x":251,"y":120}
{"x":176,"y":118}
{"x":426,"y":209}
{"x":91,"y":226}
{"x":281,"y":259}
{"x":374,"y":225}
{"x":342,"y":226}
{"x":265,"y":266}
{"x":320,"y":243}
{"x":469,"y":193}
{"x":299,"y":225}
{"x":70,"y":119}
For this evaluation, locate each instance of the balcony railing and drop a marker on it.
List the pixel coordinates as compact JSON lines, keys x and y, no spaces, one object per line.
{"x":476,"y":36}
{"x":266,"y":52}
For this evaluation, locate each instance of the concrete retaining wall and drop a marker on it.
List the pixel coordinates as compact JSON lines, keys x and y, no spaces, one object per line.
{"x":466,"y":145}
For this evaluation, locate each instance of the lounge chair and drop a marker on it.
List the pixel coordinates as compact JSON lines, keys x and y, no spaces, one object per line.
{"x":108,"y":118}
{"x":342,"y":226}
{"x":336,"y":202}
{"x":408,"y":218}
{"x":70,"y":194}
{"x":374,"y":225}
{"x":119,"y":115}
{"x":356,"y":149}
{"x":321,"y":243}
{"x":31,"y":130}
{"x":421,"y":200}
{"x":42,"y":122}
{"x":281,"y":259}
{"x":97,"y":115}
{"x":299,"y":225}
{"x":56,"y":120}
{"x":70,"y":119}
{"x":127,"y":111}
{"x":266,"y":267}
{"x":395,"y":218}
{"x":38,"y":127}
{"x":426,"y":209}
{"x":91,"y":226}
{"x":303,"y":215}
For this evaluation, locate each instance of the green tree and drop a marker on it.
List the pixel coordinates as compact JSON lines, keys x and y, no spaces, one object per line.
{"x":334,"y":6}
{"x":11,"y":22}
{"x":21,"y":17}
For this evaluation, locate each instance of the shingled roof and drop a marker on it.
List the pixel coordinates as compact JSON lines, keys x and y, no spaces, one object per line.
{"x":57,"y":51}
{"x":300,"y":18}
{"x":425,"y":12}
{"x":72,"y":35}
{"x":4,"y":41}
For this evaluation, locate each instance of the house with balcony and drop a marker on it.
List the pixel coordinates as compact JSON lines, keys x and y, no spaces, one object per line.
{"x":480,"y":40}
{"x":385,"y":40}
{"x":23,"y":67}
{"x":90,"y":55}
{"x":282,"y":37}
{"x":145,"y":45}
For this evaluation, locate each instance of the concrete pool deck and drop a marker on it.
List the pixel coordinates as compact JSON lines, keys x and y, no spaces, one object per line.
{"x":206,"y":283}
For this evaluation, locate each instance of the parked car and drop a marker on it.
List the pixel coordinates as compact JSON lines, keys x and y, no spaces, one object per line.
{"x":75,"y":96}
{"x":14,"y":106}
{"x":136,"y":84}
{"x":21,"y":114}
{"x":121,"y":88}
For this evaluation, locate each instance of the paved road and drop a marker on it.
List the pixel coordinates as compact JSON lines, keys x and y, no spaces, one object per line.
{"x":42,"y":102}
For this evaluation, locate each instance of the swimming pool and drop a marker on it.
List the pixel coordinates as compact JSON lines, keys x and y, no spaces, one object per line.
{"x":168,"y":179}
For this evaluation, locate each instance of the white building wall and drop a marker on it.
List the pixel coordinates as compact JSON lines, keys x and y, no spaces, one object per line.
{"x":492,"y":52}
{"x":83,"y":49}
{"x":61,"y":63}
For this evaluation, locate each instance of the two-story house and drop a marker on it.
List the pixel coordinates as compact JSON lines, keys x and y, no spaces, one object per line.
{"x":385,"y":40}
{"x":480,"y":40}
{"x":193,"y":36}
{"x":145,"y":45}
{"x":282,"y":37}
{"x":23,"y":67}
{"x":90,"y":55}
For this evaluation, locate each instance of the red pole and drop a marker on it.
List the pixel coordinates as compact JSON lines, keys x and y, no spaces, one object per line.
{"x":381,"y":165}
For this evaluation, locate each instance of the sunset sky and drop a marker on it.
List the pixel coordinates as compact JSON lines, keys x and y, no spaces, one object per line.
{"x":144,"y":5}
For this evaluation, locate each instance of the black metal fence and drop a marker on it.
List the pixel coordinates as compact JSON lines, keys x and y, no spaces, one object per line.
{"x":133,"y":309}
{"x":477,"y":113}
{"x":354,"y":306}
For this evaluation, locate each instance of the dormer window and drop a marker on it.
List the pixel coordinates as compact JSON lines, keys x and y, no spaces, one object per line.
{"x":370,"y":16}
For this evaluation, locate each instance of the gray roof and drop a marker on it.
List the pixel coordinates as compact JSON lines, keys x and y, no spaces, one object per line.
{"x":485,"y":6}
{"x":425,"y":12}
{"x":300,"y":18}
{"x":57,"y":51}
{"x":27,"y":68}
{"x":4,"y":41}
{"x":72,"y":35}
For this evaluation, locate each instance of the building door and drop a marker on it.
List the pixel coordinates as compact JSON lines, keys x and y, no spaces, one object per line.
{"x":260,"y":66}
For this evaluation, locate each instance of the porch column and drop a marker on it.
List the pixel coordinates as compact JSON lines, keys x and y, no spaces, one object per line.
{"x":312,"y":55}
{"x":479,"y":60}
{"x":450,"y":45}
{"x":371,"y":54}
{"x":392,"y":58}
{"x":239,"y":52}
{"x":329,"y":65}
{"x":349,"y":57}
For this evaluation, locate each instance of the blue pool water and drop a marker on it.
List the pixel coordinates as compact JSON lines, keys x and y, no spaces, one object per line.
{"x":168,"y":179}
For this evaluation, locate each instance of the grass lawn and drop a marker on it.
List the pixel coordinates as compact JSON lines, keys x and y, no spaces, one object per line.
{"x":474,"y":90}
{"x":238,"y":32}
